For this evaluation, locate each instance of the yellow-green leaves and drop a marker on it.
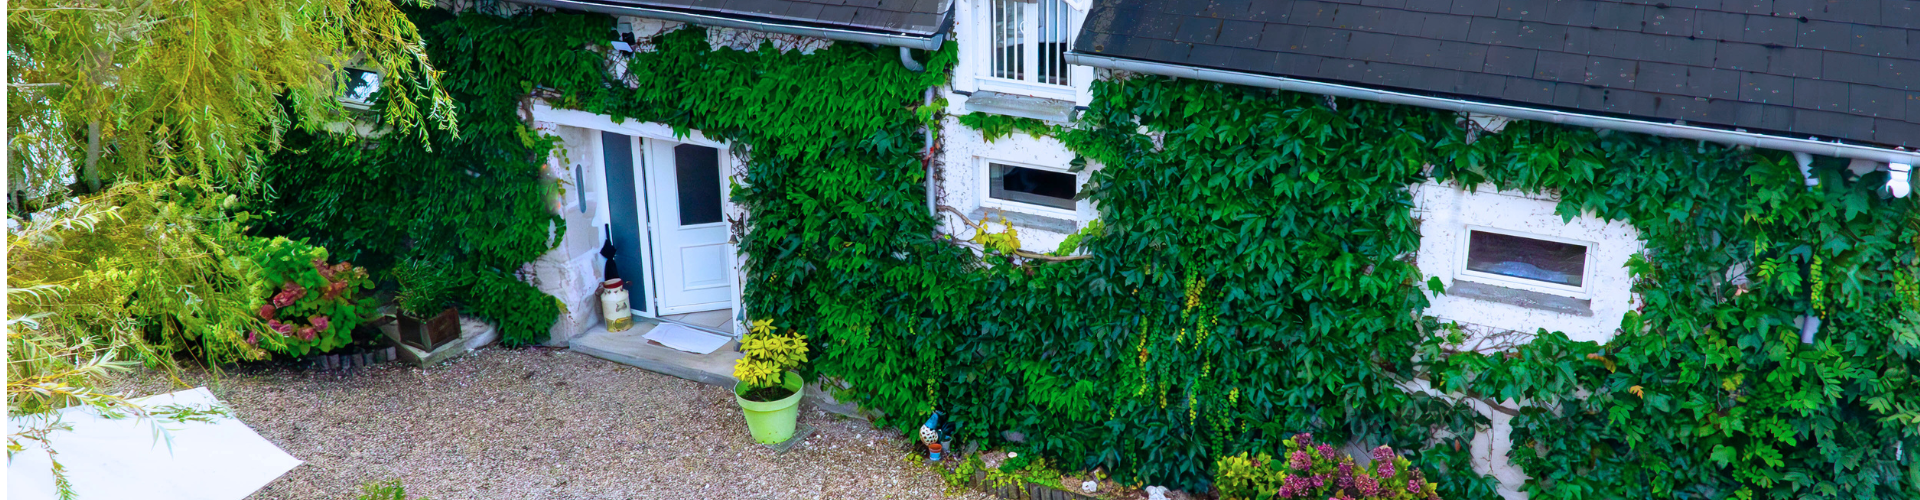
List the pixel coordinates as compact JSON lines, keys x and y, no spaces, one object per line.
{"x":769,"y":353}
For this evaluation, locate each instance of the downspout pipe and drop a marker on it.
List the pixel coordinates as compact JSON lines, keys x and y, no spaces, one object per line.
{"x":1805,"y":160}
{"x":908,"y":41}
{"x":906,"y":54}
{"x":927,"y":158}
{"x":1809,"y":327}
{"x":1900,"y":179}
{"x":1575,"y":119}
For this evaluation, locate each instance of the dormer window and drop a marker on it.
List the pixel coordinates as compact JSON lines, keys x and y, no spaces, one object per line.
{"x":1022,"y":45}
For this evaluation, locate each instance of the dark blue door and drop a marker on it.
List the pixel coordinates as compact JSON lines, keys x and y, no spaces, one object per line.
{"x":627,"y":223}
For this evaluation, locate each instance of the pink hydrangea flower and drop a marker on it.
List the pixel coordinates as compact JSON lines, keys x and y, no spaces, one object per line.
{"x":289,"y":292}
{"x":277,"y":326}
{"x":1367,"y":486}
{"x":266,"y":311}
{"x":319,"y":322}
{"x":1299,"y":460}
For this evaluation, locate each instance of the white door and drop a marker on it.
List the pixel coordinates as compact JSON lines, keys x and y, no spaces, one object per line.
{"x":690,"y":253}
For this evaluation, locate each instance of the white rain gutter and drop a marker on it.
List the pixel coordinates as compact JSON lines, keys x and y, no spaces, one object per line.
{"x":916,"y":42}
{"x":1621,"y":124}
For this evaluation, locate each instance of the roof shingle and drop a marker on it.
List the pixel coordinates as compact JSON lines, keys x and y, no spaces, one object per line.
{"x":1839,"y":69}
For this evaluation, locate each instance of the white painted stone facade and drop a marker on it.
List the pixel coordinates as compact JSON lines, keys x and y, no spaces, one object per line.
{"x":965,"y":156}
{"x":571,"y":270}
{"x":1447,"y":212}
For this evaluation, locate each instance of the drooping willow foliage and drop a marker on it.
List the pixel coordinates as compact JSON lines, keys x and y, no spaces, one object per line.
{"x":104,"y":91}
{"x":135,"y":133}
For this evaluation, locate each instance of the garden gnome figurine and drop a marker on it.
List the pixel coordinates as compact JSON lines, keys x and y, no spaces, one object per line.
{"x":931,"y":437}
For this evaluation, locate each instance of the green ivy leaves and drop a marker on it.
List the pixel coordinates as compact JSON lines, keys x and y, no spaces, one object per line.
{"x":1294,"y":211}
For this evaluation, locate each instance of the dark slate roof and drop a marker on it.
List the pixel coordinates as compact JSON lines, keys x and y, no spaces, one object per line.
{"x":1837,"y":69}
{"x":908,"y":17}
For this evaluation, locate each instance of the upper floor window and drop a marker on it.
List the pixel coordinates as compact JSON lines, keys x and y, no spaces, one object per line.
{"x":1019,"y":47}
{"x":1028,"y":40}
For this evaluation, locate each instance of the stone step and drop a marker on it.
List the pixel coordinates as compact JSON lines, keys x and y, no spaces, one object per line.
{"x":630,"y":348}
{"x":716,"y":368}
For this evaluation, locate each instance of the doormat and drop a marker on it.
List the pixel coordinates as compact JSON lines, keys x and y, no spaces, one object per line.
{"x":685,"y":339}
{"x":800,"y":435}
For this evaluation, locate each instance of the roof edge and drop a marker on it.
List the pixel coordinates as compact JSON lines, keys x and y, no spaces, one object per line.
{"x":1674,"y":130}
{"x":930,"y":41}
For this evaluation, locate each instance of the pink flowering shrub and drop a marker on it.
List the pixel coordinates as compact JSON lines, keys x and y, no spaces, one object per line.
{"x":1316,"y":471}
{"x":313,"y":305}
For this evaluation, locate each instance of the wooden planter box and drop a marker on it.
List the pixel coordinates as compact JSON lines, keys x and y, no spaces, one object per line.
{"x":1025,"y":490}
{"x":432,"y":333}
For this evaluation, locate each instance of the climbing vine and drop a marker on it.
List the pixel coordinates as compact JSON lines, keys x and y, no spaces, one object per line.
{"x":1254,"y":278}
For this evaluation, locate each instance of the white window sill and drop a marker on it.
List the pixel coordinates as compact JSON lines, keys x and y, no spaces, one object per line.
{"x":1014,"y":87}
{"x":1521,"y":298}
{"x":1023,"y":220}
{"x":1038,"y":108}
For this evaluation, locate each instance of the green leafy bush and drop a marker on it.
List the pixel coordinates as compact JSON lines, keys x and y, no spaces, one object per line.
{"x":524,"y":314}
{"x":475,"y":201}
{"x":314,"y":305}
{"x":384,"y":490}
{"x":426,"y":287}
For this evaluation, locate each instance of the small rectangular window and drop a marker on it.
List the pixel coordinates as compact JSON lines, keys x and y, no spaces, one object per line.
{"x":360,"y":85}
{"x":1028,"y":40}
{"x":697,"y":176}
{"x":1527,"y":259}
{"x":1032,"y":185}
{"x":580,"y":186}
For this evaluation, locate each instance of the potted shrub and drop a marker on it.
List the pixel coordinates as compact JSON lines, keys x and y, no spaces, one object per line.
{"x":423,"y":307}
{"x":768,"y":391}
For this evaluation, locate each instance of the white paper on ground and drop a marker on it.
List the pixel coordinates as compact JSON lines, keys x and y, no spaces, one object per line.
{"x":122,"y":458}
{"x":685,"y":339}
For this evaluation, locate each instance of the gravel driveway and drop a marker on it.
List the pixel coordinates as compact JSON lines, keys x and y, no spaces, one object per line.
{"x":546,"y":424}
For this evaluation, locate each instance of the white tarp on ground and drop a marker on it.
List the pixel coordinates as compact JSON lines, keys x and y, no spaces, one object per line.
{"x":685,"y":339}
{"x":222,"y":459}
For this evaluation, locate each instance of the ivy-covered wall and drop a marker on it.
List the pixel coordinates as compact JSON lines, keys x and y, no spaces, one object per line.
{"x":1255,"y":278}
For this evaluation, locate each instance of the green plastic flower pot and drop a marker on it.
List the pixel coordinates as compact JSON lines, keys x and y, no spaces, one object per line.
{"x":772,"y":422}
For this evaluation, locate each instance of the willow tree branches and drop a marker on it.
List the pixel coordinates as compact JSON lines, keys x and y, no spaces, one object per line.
{"x":138,"y":90}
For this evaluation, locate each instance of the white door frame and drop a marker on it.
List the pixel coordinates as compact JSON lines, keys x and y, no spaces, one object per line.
{"x":656,"y":131}
{"x":660,"y":180}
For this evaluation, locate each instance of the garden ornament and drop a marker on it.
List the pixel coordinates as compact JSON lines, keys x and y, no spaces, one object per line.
{"x":931,"y":437}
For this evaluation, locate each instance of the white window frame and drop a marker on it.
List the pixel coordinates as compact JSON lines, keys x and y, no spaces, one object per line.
{"x":981,"y":29}
{"x":363,"y":104}
{"x":1584,"y":291}
{"x":984,"y":169}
